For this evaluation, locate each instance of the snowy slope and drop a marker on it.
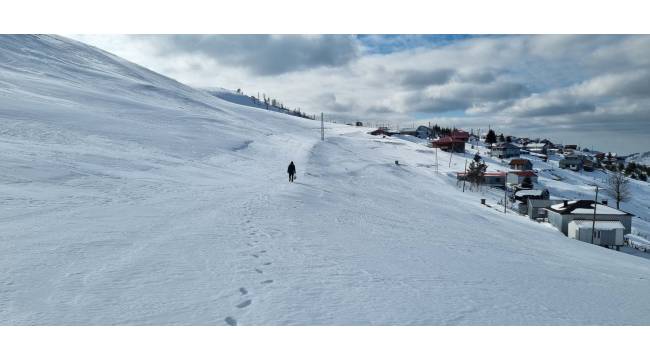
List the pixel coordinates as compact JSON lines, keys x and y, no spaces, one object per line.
{"x":241,"y":99}
{"x":639,"y":158}
{"x":128,"y":198}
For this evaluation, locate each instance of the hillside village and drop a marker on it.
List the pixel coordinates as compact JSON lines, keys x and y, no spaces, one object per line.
{"x":546,"y":182}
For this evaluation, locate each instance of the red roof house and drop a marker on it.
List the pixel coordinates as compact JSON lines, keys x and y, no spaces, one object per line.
{"x":460,"y":135}
{"x":448,"y":143}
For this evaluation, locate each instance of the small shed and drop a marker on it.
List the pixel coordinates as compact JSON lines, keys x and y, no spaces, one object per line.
{"x":605,"y":233}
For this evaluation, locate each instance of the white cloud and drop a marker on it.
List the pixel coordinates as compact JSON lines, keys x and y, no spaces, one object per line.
{"x":563,"y":81}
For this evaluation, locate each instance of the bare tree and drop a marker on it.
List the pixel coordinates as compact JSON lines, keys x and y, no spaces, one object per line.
{"x":618,"y":187}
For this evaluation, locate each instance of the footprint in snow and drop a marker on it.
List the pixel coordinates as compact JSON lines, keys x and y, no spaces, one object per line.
{"x":266,"y":282}
{"x":243,"y":291}
{"x":244,"y":304}
{"x":259,"y":271}
{"x":267,"y":263}
{"x":231,"y":321}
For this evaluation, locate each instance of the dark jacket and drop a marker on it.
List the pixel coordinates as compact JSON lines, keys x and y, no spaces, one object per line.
{"x":291,"y":169}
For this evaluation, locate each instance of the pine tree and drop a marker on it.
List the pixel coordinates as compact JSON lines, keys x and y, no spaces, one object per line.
{"x":491,"y":137}
{"x":476,"y":171}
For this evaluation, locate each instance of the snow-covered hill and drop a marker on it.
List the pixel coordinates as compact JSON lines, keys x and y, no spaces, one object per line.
{"x":242,"y":99}
{"x":129,"y":198}
{"x":639,"y":158}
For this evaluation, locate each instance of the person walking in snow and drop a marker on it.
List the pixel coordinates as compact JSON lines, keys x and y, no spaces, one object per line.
{"x":292,"y":171}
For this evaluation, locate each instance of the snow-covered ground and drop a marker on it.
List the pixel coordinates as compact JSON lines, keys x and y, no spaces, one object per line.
{"x":640,"y":158}
{"x":129,"y":198}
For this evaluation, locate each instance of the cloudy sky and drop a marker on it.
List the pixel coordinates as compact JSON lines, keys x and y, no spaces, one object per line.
{"x":589,"y":90}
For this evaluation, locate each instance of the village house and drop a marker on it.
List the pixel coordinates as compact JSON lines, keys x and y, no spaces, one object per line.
{"x":460,"y":135}
{"x":521,"y":164}
{"x":537,"y":208}
{"x":603,"y":233}
{"x":523,"y":195}
{"x":540,"y":148}
{"x":504,"y":150}
{"x":519,"y":178}
{"x":495,"y":179}
{"x":563,"y":214}
{"x":492,"y":179}
{"x":447,"y":143}
{"x":423,"y":132}
{"x":572,"y":162}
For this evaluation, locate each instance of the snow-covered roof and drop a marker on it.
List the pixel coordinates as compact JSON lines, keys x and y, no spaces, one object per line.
{"x":536,"y":145}
{"x":598,"y":225}
{"x":601,"y":209}
{"x":529,"y":192}
{"x":505,"y":145}
{"x":586,"y":207}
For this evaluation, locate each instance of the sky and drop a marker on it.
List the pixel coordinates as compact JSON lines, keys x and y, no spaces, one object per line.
{"x":589,"y":90}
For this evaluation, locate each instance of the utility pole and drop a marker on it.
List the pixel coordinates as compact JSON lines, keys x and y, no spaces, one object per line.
{"x":465,"y":175}
{"x":593,"y":221}
{"x":322,"y":128}
{"x":505,"y":198}
{"x":436,"y":159}
{"x":451,"y":152}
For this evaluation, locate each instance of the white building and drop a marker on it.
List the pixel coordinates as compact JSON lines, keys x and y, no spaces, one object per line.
{"x":605,"y":233}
